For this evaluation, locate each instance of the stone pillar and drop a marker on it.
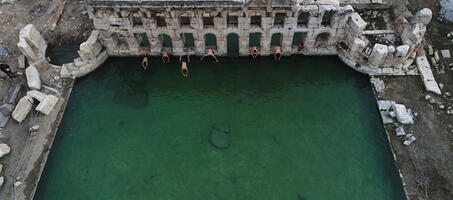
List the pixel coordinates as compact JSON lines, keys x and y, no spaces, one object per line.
{"x":178,"y":45}
{"x":377,"y":55}
{"x":357,"y":47}
{"x":199,"y":44}
{"x":287,"y":41}
{"x":32,"y":44}
{"x":221,"y":46}
{"x":244,"y":45}
{"x":265,"y":44}
{"x":400,"y":55}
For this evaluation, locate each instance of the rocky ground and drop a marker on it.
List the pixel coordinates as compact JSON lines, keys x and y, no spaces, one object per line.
{"x":73,"y":28}
{"x":426,"y":164}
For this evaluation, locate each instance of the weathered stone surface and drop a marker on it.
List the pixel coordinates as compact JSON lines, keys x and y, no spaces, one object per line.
{"x":47,"y":104}
{"x":36,"y":95}
{"x":32,"y":44}
{"x":402,"y":115}
{"x":445,"y":53}
{"x":356,"y":23}
{"x":427,"y":75}
{"x":4,"y":149}
{"x":2,"y":180}
{"x":22,"y":109}
{"x":422,"y":16}
{"x":400,"y":131}
{"x":377,"y":55}
{"x":33,"y":79}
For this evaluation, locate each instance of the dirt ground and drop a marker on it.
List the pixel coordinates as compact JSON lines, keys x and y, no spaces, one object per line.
{"x":73,"y":28}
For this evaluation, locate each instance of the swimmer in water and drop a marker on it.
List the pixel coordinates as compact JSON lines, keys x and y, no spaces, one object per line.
{"x":145,"y":62}
{"x":210,"y":53}
{"x":278,"y":51}
{"x":165,"y":55}
{"x":255,"y":52}
{"x":184,"y":61}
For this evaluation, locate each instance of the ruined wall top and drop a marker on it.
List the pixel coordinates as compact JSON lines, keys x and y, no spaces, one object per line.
{"x":191,"y":3}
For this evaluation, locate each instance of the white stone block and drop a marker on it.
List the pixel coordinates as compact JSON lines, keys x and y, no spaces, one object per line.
{"x":22,"y":109}
{"x":422,"y":16}
{"x":47,"y":104}
{"x":33,"y":80}
{"x":356,"y":23}
{"x":401,"y":51}
{"x":357,"y":46}
{"x":4,"y":149}
{"x":36,"y":95}
{"x":377,"y":55}
{"x":402,"y":115}
{"x":445,"y":53}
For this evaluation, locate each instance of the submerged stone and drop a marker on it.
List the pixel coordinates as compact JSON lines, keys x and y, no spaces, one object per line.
{"x":219,"y":137}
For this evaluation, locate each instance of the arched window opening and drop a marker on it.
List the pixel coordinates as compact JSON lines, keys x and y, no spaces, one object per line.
{"x":322,"y":40}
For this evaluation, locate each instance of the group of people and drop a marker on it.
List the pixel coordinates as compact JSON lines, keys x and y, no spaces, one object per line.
{"x":183,"y":59}
{"x":254,"y":52}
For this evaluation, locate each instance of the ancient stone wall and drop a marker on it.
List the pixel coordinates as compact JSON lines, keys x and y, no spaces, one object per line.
{"x":233,"y":27}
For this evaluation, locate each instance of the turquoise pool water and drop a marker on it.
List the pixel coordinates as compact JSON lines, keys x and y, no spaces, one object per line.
{"x":304,"y":128}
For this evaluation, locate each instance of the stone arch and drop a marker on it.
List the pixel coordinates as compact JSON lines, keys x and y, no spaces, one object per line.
{"x":255,"y":39}
{"x":233,"y":44}
{"x":276,"y":39}
{"x":322,"y":39}
{"x":166,"y":41}
{"x":210,"y":41}
{"x":302,"y":18}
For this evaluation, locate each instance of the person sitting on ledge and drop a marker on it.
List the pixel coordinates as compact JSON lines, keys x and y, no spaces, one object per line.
{"x":165,"y":55}
{"x":210,"y":53}
{"x":300,"y":47}
{"x":255,"y":52}
{"x":184,"y":61}
{"x":278,"y":51}
{"x":145,"y":62}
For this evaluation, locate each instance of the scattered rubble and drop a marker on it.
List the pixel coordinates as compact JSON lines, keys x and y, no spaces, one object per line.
{"x":378,"y":84}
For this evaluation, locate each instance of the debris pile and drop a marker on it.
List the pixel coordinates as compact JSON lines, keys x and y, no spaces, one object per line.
{"x":399,"y":116}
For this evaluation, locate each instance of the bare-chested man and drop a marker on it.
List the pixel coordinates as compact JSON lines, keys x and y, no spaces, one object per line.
{"x":210,"y":53}
{"x":277,"y":51}
{"x":145,"y":62}
{"x":165,"y":55}
{"x":184,"y":61}
{"x":254,"y":52}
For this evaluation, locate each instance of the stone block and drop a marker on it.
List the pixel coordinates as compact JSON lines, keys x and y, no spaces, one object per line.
{"x":401,"y":51}
{"x":4,"y":149}
{"x":402,"y":114}
{"x":377,"y":55}
{"x":36,"y":95}
{"x":33,"y":79}
{"x":22,"y":109}
{"x":47,"y":104}
{"x":422,"y":16}
{"x":357,"y":46}
{"x":356,"y":23}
